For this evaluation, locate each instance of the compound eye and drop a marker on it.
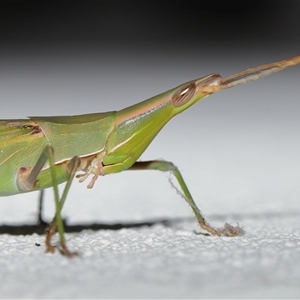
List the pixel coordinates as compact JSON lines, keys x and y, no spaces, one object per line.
{"x":183,"y":95}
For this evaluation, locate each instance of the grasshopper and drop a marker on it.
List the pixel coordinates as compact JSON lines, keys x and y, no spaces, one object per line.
{"x":42,"y":152}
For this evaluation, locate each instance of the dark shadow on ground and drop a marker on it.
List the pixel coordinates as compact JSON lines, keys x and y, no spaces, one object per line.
{"x":40,"y":228}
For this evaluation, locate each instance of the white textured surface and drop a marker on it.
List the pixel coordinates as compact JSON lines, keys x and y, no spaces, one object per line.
{"x":159,"y":262}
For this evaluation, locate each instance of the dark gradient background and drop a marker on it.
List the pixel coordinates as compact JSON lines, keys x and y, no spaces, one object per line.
{"x":238,"y":150}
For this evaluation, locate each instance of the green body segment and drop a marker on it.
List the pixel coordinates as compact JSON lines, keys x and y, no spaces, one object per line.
{"x":23,"y":141}
{"x":136,"y":127}
{"x":76,"y":135}
{"x":18,"y":147}
{"x":118,"y":137}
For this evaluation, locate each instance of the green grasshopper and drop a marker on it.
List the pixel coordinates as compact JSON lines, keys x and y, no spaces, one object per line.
{"x":42,"y":152}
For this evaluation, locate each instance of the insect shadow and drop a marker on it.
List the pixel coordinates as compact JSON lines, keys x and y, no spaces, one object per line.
{"x":41,"y":228}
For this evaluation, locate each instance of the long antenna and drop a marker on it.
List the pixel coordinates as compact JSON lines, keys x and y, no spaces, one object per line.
{"x":252,"y":74}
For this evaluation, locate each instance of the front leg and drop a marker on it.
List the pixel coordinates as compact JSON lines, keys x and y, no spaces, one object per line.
{"x":167,"y":166}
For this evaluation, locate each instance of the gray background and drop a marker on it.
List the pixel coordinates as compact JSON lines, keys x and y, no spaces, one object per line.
{"x":238,"y":150}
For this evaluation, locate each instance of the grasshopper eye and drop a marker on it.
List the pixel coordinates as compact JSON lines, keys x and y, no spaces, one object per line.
{"x":183,"y":95}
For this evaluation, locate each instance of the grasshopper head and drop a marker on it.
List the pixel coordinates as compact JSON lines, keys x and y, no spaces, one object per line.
{"x":136,"y":126}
